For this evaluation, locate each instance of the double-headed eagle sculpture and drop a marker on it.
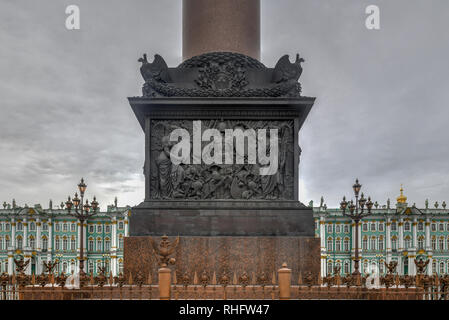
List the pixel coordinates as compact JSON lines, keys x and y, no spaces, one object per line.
{"x":164,"y":250}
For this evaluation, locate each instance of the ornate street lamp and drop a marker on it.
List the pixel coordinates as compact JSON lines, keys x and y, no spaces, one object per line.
{"x":82,"y":213}
{"x":356,"y":213}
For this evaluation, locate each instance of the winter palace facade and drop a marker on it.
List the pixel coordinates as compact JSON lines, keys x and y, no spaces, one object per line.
{"x":53,"y":235}
{"x":402,"y":233}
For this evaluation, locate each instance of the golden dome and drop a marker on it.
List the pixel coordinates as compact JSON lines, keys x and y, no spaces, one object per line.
{"x":401,"y":198}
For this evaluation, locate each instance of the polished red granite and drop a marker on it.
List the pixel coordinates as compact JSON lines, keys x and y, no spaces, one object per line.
{"x":253,"y":255}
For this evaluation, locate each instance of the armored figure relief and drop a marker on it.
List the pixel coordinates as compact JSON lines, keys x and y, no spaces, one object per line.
{"x":172,"y":180}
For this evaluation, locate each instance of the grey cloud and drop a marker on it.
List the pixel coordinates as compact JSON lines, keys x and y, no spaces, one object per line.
{"x":380,"y":113}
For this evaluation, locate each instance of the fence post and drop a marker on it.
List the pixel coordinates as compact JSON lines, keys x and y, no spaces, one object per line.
{"x":285,"y":276}
{"x":164,"y":283}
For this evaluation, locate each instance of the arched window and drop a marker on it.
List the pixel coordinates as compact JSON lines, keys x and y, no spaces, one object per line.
{"x":346,"y":267}
{"x":407,"y":242}
{"x":420,"y":243}
{"x":441,"y":244}
{"x":365,"y":227}
{"x":19,"y":242}
{"x":434,"y":244}
{"x":99,"y":245}
{"x":57,"y":226}
{"x":337,"y":228}
{"x":407,"y":226}
{"x":420,"y":226}
{"x":99,"y":229}
{"x":64,"y":227}
{"x":73,"y":227}
{"x":338,"y":245}
{"x":32,"y":226}
{"x":7,"y":227}
{"x":346,"y":228}
{"x":434,"y":266}
{"x":32,"y":242}
{"x":380,"y":245}
{"x":365,"y":244}
{"x":346,"y":244}
{"x":73,"y":244}
{"x":441,"y":267}
{"x":107,"y":265}
{"x":57,"y":244}
{"x":7,"y":243}
{"x":65,"y":244}
{"x":381,"y":266}
{"x":329,"y":267}
{"x":373,"y":244}
{"x":394,"y":226}
{"x":107,"y":244}
{"x":373,"y":226}
{"x":381,"y":226}
{"x":441,"y":227}
{"x":329,"y":244}
{"x":394,"y":243}
{"x":338,"y":265}
{"x":44,"y":226}
{"x":91,"y":244}
{"x":44,"y":244}
{"x":365,"y":267}
{"x":19,"y":226}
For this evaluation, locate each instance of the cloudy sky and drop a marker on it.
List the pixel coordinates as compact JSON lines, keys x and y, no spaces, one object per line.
{"x":381,"y":112}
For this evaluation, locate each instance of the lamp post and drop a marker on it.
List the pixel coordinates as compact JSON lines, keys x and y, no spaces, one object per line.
{"x":82,"y":213}
{"x":356,"y":213}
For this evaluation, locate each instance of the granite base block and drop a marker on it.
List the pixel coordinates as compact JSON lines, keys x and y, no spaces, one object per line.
{"x":252,"y":255}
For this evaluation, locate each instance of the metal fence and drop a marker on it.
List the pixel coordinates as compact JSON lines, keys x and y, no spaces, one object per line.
{"x":224,"y":287}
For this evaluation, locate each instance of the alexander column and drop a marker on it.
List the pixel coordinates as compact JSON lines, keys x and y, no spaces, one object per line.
{"x":222,"y":151}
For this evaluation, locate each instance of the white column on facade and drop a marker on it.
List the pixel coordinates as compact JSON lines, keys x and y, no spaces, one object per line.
{"x":13,"y":234}
{"x":38,"y":235}
{"x":38,"y":246}
{"x":114,"y":246}
{"x":322,"y":246}
{"x":10,"y":263}
{"x":401,"y":235}
{"x":126,"y":226}
{"x":25,"y":233}
{"x":50,"y":235}
{"x":388,"y":240}
{"x":415,"y":239}
{"x":428,"y":246}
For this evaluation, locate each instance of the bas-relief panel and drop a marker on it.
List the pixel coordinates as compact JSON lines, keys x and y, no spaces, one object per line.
{"x":220,"y":181}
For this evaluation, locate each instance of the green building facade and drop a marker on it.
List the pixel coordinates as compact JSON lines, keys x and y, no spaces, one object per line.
{"x":402,"y":233}
{"x":53,"y":235}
